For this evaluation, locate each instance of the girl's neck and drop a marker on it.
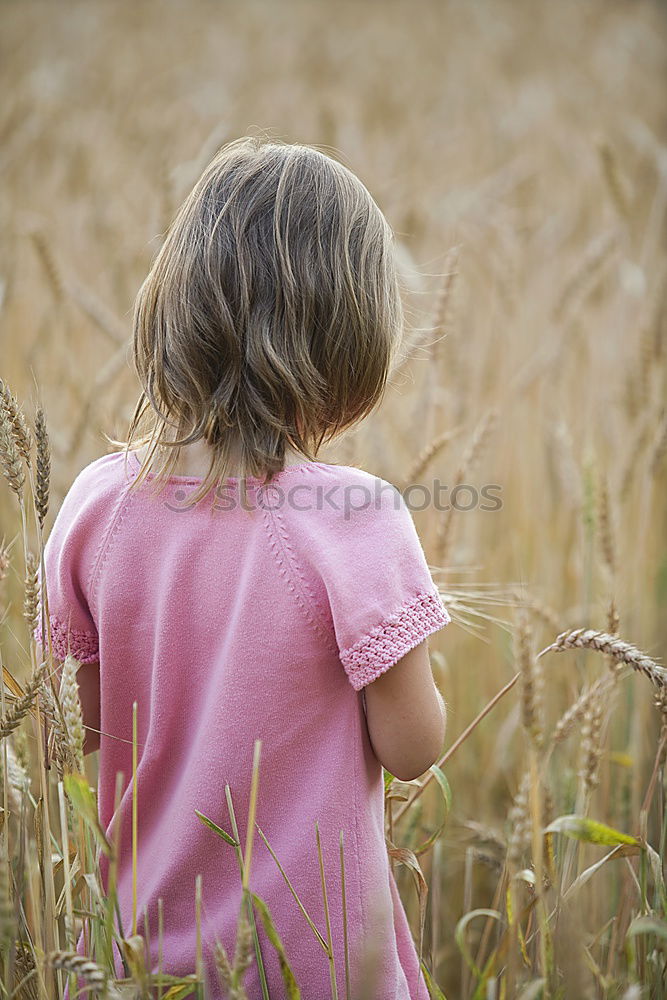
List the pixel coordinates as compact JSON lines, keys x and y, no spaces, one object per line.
{"x":194,"y":459}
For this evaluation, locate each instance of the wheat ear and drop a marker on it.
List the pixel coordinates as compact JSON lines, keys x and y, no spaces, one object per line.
{"x":10,"y":459}
{"x":43,"y":465}
{"x":17,"y":713}
{"x":71,"y":706}
{"x":426,"y":456}
{"x":71,"y":961}
{"x":31,"y":591}
{"x":616,"y":648}
{"x":470,"y":457}
{"x":19,"y":425}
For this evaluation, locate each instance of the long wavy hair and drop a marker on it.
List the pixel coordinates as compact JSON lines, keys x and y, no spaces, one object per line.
{"x":270,"y":317}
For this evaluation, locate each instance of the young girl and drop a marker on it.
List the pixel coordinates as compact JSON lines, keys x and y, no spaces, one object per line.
{"x":237,"y":589}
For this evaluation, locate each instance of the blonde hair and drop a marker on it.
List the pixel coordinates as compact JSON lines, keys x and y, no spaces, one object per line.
{"x":270,"y":316}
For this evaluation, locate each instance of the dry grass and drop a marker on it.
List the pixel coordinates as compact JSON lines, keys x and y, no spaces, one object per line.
{"x":519,"y":152}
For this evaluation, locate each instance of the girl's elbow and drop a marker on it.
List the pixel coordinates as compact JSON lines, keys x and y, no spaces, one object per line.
{"x":423,"y":753}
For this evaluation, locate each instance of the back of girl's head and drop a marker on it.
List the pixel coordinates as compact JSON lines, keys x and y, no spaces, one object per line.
{"x":271,"y":315}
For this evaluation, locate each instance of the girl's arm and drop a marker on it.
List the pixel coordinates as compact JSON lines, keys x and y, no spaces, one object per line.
{"x":88,"y":678}
{"x":406,"y":715}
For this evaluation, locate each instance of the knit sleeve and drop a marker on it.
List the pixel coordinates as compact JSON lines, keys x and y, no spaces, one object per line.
{"x":69,"y":560}
{"x":382,"y":600}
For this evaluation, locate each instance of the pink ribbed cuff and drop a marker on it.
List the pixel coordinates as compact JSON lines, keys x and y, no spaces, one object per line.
{"x":393,"y":638}
{"x":83,"y":645}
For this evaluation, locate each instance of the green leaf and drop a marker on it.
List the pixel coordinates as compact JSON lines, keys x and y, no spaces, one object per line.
{"x":443,"y":785}
{"x":388,"y":778}
{"x":620,"y":851}
{"x":526,"y":875}
{"x":397,"y":792}
{"x":180,"y":992}
{"x":406,"y":857}
{"x":293,"y":992}
{"x":134,"y":954}
{"x":648,"y":925}
{"x":217,"y":829}
{"x":655,"y":864}
{"x":589,"y":830}
{"x":459,"y":935}
{"x":439,"y":776}
{"x":434,"y":990}
{"x":83,"y":800}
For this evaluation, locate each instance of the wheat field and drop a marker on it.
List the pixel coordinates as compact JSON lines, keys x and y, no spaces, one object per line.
{"x":519,"y":151}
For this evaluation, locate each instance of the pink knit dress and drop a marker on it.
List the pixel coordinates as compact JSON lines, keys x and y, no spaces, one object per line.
{"x":246,"y":617}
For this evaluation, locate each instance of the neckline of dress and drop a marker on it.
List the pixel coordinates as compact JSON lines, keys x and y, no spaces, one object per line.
{"x":301,"y":466}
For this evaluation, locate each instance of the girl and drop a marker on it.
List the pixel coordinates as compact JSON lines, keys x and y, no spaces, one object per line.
{"x":237,"y":589}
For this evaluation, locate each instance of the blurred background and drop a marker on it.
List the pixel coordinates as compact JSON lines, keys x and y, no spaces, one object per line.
{"x":519,"y":151}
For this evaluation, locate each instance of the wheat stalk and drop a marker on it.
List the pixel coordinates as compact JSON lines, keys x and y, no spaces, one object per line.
{"x":605,"y":528}
{"x":617,"y":185}
{"x":21,"y":706}
{"x":223,"y":965}
{"x":538,"y":608}
{"x":470,"y":457}
{"x":582,"y":281}
{"x":18,"y":780}
{"x":660,"y":701}
{"x":426,"y":456}
{"x":231,"y":973}
{"x":96,"y":310}
{"x":591,"y":747}
{"x":43,"y":467}
{"x":5,"y":560}
{"x":441,"y":314}
{"x":566,"y":467}
{"x":31,"y":592}
{"x":531,"y":708}
{"x":659,"y":323}
{"x":10,"y":459}
{"x":442,"y":305}
{"x":613,"y":622}
{"x":518,"y":820}
{"x":659,"y":448}
{"x":26,"y":972}
{"x":71,"y":707}
{"x":244,"y":948}
{"x":17,"y":420}
{"x":94,"y":975}
{"x":578,"y":709}
{"x":60,"y":748}
{"x":49,"y":264}
{"x":618,"y":649}
{"x":7,"y":918}
{"x":640,"y":441}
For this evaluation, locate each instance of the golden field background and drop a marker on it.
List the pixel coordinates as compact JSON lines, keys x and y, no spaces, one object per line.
{"x":519,"y":151}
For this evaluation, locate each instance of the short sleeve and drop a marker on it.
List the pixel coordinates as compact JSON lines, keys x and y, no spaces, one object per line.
{"x":377,"y":583}
{"x":69,"y":557}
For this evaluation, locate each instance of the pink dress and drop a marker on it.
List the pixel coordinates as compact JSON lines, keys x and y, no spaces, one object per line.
{"x":235,"y":620}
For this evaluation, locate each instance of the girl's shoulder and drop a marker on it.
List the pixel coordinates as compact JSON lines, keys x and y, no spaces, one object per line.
{"x":331,"y":493}
{"x":96,"y":485}
{"x":349,"y":541}
{"x":89,"y":505}
{"x":337,"y":516}
{"x":73,"y":551}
